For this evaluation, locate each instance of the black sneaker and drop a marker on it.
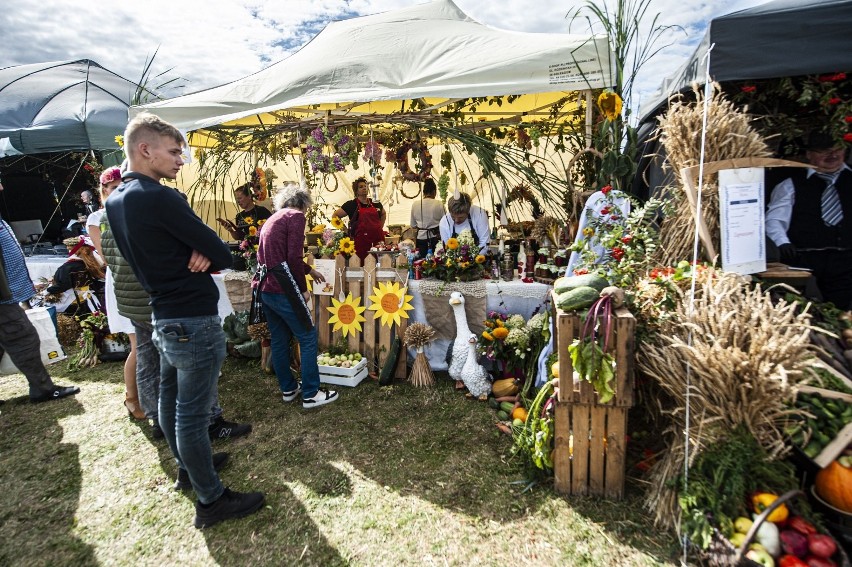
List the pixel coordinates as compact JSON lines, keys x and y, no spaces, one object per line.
{"x":230,"y":505}
{"x":157,"y":431}
{"x":55,"y":393}
{"x":221,"y":429}
{"x":183,"y":483}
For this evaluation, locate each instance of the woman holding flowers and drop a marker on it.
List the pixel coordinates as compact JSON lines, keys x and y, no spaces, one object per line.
{"x":249,"y":216}
{"x":461,"y":215}
{"x":284,"y":291}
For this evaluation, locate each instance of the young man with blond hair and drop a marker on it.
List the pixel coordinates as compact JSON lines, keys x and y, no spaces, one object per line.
{"x":172,"y":252}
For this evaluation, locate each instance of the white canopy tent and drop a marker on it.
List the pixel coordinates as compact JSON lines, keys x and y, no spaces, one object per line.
{"x":431,"y":50}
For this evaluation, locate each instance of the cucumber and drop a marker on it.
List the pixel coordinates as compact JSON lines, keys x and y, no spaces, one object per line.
{"x":386,"y":375}
{"x":567,"y":283}
{"x":502,"y":416}
{"x":578,"y":298}
{"x":507,"y":407}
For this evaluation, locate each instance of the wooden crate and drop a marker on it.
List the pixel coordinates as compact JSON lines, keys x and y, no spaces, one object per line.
{"x":589,"y":457}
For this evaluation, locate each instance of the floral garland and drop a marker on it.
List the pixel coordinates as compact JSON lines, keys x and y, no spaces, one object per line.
{"x":400,"y":158}
{"x":345,"y":150}
{"x":260,"y":180}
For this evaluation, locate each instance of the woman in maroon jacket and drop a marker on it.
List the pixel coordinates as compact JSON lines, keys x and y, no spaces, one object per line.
{"x":284,"y":290}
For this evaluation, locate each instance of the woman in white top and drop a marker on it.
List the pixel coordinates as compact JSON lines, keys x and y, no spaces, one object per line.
{"x":425,"y":217}
{"x":110,"y":179}
{"x":463,"y":215}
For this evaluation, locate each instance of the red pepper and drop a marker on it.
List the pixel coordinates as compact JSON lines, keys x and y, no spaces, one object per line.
{"x":801,"y":525}
{"x":791,"y":561}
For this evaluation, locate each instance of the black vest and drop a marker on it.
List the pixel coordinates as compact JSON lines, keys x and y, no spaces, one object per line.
{"x":807,"y":229}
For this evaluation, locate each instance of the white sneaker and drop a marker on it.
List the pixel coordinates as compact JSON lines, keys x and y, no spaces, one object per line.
{"x":291,"y":395}
{"x":321,"y":398}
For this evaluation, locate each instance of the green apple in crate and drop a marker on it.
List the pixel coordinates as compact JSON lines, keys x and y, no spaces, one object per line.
{"x":347,"y":369}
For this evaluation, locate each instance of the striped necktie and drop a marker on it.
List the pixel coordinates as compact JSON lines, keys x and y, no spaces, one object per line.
{"x":832,"y":213}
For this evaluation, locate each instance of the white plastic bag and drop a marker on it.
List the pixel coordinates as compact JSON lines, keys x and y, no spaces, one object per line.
{"x":51,"y":350}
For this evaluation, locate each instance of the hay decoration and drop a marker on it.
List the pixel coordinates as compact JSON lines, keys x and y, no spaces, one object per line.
{"x":260,"y":332}
{"x":418,"y":335}
{"x":745,"y":358}
{"x":729,"y":136}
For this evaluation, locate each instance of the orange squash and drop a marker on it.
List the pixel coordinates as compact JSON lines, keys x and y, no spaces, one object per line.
{"x":834,"y":485}
{"x":520,"y":413}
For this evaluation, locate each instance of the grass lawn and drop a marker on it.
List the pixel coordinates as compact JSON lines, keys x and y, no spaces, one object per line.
{"x":384,"y":476}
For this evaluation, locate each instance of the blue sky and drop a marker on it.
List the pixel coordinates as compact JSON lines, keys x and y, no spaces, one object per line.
{"x":210,"y":42}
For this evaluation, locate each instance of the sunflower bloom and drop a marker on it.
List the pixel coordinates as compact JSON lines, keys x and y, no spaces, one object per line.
{"x":249,"y":220}
{"x":347,"y":246}
{"x":609,"y":104}
{"x":500,"y":333}
{"x":119,"y":140}
{"x":452,"y":243}
{"x":479,"y":259}
{"x":337,"y":223}
{"x":252,"y":231}
{"x":487,"y":336}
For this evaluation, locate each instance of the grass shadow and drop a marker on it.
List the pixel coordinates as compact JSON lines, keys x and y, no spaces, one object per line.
{"x":43,"y":476}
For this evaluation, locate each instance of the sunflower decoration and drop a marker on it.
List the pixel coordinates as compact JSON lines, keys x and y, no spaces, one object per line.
{"x":609,"y":103}
{"x":390,"y":303}
{"x":337,"y":223}
{"x":346,"y":246}
{"x":346,"y":315}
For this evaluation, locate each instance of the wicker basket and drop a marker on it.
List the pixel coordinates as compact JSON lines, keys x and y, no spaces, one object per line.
{"x":722,"y":553}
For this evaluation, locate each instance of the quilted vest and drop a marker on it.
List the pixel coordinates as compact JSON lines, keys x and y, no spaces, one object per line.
{"x":133,"y":301}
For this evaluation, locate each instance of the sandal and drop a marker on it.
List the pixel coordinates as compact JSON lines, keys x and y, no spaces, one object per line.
{"x":133,"y":408}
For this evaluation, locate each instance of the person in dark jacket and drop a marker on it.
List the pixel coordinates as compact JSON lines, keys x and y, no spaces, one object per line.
{"x":172,"y":252}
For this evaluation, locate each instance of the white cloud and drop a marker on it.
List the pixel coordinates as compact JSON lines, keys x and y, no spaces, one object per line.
{"x":210,"y":42}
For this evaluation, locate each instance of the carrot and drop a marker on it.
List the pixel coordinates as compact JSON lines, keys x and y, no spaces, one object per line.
{"x":504,"y":428}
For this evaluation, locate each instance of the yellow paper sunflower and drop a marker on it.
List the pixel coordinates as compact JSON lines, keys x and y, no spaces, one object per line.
{"x":346,"y":246}
{"x":452,"y":244}
{"x":346,"y":314}
{"x":390,"y":303}
{"x":337,"y":223}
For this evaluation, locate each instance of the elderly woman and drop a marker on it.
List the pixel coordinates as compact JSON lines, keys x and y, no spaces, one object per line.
{"x":285,"y":295}
{"x":463,"y":215}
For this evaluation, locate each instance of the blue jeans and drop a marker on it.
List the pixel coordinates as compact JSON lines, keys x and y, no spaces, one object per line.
{"x":148,"y":373}
{"x":191,"y":355}
{"x":283,"y":324}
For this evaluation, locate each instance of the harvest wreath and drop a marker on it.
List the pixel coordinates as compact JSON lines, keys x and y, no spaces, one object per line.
{"x":400,"y":158}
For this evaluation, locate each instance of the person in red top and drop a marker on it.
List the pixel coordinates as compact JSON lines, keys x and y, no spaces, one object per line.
{"x":284,"y":291}
{"x":366,"y":218}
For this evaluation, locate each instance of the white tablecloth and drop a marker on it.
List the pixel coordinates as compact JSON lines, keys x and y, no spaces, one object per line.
{"x":504,"y":297}
{"x":43,"y":266}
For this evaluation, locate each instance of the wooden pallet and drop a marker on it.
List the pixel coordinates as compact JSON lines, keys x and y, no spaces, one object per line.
{"x":589,"y":457}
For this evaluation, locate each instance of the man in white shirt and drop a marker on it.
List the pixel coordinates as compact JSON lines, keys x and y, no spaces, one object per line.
{"x":425,"y":216}
{"x":463,"y":215}
{"x":810,"y":218}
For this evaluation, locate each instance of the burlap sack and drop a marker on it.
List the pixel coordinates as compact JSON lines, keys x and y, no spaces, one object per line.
{"x":238,"y":286}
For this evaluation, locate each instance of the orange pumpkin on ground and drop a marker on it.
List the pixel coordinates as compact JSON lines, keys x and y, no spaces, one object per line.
{"x":834,"y":485}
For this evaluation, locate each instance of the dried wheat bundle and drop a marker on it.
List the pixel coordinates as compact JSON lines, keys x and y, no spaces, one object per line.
{"x":744,"y":358}
{"x":729,"y":136}
{"x":419,"y":335}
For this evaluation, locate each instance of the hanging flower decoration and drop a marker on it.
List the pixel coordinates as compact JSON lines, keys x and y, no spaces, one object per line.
{"x":609,"y":103}
{"x":372,"y":153}
{"x":390,"y":302}
{"x":400,"y":158}
{"x":346,"y":315}
{"x":345,"y":150}
{"x":259,"y":184}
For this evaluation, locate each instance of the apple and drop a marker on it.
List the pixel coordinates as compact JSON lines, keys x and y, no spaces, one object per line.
{"x":742,"y":524}
{"x":761,"y":556}
{"x":737,"y":539}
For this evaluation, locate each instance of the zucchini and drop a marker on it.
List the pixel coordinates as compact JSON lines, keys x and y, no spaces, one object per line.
{"x":567,"y":283}
{"x":502,"y":416}
{"x":578,"y":298}
{"x":507,"y":407}
{"x":386,"y":375}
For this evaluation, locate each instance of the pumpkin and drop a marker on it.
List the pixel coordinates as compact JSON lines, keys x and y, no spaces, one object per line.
{"x":505,"y":387}
{"x":520,"y":413}
{"x":834,"y":485}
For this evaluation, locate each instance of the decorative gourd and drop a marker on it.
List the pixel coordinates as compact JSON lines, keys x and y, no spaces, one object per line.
{"x":520,"y":413}
{"x":504,"y":387}
{"x":834,"y":485}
